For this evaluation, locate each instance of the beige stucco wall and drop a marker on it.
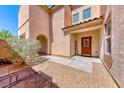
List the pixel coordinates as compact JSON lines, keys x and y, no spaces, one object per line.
{"x":39,"y":24}
{"x":95,"y":42}
{"x":101,"y":44}
{"x":23,"y":14}
{"x":73,"y":39}
{"x":24,"y":31}
{"x":60,"y":44}
{"x":118,"y":43}
{"x":103,"y":10}
{"x":95,"y":12}
{"x":67,"y":15}
{"x":23,"y":21}
{"x":102,"y":36}
{"x":117,"y":38}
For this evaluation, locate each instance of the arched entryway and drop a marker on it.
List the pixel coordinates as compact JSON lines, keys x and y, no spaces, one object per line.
{"x":43,"y":41}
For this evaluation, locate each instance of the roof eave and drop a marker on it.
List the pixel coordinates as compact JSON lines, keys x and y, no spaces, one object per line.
{"x":50,"y":10}
{"x":85,"y":24}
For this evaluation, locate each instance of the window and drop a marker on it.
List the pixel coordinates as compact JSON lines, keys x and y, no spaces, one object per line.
{"x":76,"y":17}
{"x":108,"y":36}
{"x":108,"y":41}
{"x":87,"y":13}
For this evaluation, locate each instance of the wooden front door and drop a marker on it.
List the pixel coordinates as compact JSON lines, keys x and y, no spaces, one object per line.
{"x":86,"y":46}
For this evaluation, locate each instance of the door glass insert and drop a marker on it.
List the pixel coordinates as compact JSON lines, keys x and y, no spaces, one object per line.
{"x":86,"y":42}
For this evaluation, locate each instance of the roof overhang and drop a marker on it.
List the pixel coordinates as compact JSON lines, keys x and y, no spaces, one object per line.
{"x":89,"y":25}
{"x":52,"y":9}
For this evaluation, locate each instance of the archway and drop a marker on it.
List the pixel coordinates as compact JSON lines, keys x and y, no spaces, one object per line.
{"x":43,"y":41}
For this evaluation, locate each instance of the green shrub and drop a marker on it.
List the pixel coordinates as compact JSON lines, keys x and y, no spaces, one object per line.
{"x":27,"y":48}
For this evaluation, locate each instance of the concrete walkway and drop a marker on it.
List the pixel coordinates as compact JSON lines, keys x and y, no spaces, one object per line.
{"x":78,"y":62}
{"x":75,"y":72}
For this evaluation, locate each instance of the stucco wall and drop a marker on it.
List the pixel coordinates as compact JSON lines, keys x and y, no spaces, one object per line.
{"x":95,"y":41}
{"x":117,"y":38}
{"x":73,"y":46}
{"x":103,"y":10}
{"x":39,"y":24}
{"x":103,"y":55}
{"x":60,"y":44}
{"x":95,"y":12}
{"x":23,"y":21}
{"x":23,"y":14}
{"x":74,"y":7}
{"x":101,"y":44}
{"x":118,"y":43}
{"x":67,"y":15}
{"x":24,"y":31}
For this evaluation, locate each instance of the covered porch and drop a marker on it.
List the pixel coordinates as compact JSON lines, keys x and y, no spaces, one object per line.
{"x":85,"y":37}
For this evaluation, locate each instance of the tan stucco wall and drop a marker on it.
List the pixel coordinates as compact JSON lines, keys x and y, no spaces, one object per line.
{"x":67,"y":15}
{"x":118,"y":43}
{"x":95,"y":41}
{"x":73,"y":39}
{"x":23,"y":21}
{"x":24,"y":30}
{"x":101,"y":44}
{"x":23,"y":14}
{"x":95,"y":12}
{"x":39,"y":24}
{"x":60,"y":43}
{"x":102,"y":34}
{"x":103,"y":9}
{"x":117,"y":54}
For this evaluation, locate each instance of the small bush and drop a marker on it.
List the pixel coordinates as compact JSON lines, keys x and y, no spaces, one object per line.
{"x":27,"y":48}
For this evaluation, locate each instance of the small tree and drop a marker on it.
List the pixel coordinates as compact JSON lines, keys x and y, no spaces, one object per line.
{"x":4,"y":34}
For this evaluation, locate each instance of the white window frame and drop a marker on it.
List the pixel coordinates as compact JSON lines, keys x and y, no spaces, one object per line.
{"x":107,"y":36}
{"x":85,"y":10}
{"x":73,"y":16}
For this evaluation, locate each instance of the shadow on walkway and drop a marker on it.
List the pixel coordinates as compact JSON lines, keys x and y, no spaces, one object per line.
{"x":27,"y":78}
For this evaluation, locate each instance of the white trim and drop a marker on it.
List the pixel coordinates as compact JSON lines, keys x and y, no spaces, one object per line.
{"x":90,"y":13}
{"x":73,"y":18}
{"x":109,"y":36}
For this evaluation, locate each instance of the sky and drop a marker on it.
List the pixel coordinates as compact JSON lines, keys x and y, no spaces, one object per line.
{"x":9,"y":18}
{"x":49,"y":6}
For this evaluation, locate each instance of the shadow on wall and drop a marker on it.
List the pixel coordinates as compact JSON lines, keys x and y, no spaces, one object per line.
{"x":44,"y":43}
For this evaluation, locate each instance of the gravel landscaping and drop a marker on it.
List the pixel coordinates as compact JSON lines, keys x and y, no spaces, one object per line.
{"x":67,"y":77}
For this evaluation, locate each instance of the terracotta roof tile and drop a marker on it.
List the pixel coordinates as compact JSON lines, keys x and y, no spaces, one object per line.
{"x":83,"y":22}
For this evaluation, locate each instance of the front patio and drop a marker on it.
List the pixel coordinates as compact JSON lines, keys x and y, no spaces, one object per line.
{"x":85,"y":37}
{"x":76,"y":72}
